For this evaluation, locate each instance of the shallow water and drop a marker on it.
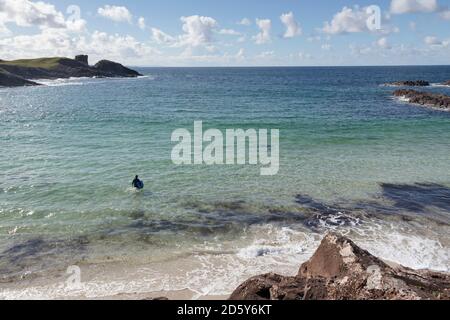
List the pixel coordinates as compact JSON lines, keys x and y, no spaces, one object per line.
{"x":353,"y":160}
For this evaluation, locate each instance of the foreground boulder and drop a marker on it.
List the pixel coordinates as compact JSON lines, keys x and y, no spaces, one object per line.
{"x":340,"y":270}
{"x":425,"y":98}
{"x":417,"y":83}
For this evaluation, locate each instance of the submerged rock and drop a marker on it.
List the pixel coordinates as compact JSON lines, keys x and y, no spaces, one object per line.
{"x":340,"y":270}
{"x":425,"y":98}
{"x":417,"y":83}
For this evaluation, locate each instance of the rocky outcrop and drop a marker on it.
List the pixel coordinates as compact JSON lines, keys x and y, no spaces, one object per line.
{"x":425,"y":98}
{"x":10,"y":80}
{"x":57,"y":68}
{"x":340,"y":270}
{"x":447,"y":83}
{"x":417,"y":83}
{"x":115,"y":69}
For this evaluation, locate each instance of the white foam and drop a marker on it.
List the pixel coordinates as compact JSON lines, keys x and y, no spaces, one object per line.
{"x":402,"y":99}
{"x":13,"y":231}
{"x":61,"y":82}
{"x":440,"y":85}
{"x":410,"y":250}
{"x":218,"y":268}
{"x":79,"y":81}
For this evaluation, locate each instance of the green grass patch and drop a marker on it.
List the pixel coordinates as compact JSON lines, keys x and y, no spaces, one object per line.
{"x":45,"y":63}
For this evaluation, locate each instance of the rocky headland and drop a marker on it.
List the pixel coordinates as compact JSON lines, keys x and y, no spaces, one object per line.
{"x":10,"y":80}
{"x":439,"y":101}
{"x":340,"y":270}
{"x":417,"y":83}
{"x":22,"y":72}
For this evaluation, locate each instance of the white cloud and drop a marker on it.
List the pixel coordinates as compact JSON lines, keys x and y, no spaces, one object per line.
{"x":326,"y":47}
{"x":26,"y":13}
{"x":99,"y":45}
{"x":383,"y":43}
{"x":304,"y":56}
{"x":245,"y":22}
{"x":360,"y":50}
{"x":409,"y":6}
{"x":229,"y":32}
{"x":198,"y":30}
{"x":292,"y":27}
{"x":241,"y":54}
{"x":435,"y":42}
{"x":224,"y":59}
{"x":349,"y":20}
{"x":266,"y":54}
{"x":141,"y":23}
{"x":314,"y":38}
{"x":118,"y":46}
{"x":115,"y":13}
{"x":76,"y":25}
{"x":445,"y":14}
{"x":162,"y":37}
{"x":198,"y":33}
{"x":265,"y":27}
{"x":357,"y":20}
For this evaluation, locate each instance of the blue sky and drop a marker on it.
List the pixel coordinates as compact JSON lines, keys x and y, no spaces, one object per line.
{"x":229,"y":33}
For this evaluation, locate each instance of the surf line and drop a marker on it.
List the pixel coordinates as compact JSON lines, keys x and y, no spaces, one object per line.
{"x":213,"y":147}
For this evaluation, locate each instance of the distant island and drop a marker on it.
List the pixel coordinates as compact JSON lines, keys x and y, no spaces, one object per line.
{"x":19,"y":73}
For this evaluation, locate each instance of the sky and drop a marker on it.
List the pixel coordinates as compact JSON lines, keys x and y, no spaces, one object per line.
{"x":230,"y":32}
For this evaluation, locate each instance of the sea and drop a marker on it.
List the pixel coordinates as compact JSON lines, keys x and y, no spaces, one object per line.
{"x":353,"y":160}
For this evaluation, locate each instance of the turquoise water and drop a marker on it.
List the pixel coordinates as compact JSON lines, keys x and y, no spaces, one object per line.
{"x":369,"y":165}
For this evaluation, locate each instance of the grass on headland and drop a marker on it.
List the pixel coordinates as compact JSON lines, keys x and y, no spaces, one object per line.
{"x":45,"y":63}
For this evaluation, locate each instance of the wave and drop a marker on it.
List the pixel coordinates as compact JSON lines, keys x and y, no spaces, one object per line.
{"x":80,"y":81}
{"x":61,"y":82}
{"x":440,"y":85}
{"x":402,"y":99}
{"x":269,"y":249}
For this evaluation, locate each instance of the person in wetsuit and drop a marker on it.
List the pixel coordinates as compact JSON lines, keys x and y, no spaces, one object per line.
{"x":138,"y":184}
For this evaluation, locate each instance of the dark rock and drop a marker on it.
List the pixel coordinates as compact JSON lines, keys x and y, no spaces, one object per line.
{"x":447,"y":83}
{"x":115,"y":69}
{"x":10,"y":80}
{"x":417,"y":83}
{"x":55,"y":68}
{"x":340,"y":270}
{"x":83,"y":59}
{"x":425,"y":98}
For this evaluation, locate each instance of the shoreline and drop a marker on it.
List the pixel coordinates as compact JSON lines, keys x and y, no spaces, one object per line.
{"x":337,"y":258}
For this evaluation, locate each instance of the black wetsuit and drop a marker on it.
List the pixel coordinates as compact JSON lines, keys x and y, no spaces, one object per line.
{"x":137,"y":184}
